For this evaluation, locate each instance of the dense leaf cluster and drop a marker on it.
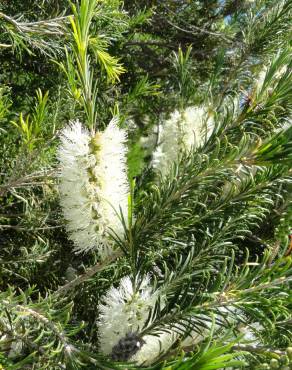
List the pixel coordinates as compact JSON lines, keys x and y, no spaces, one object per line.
{"x":213,"y":234}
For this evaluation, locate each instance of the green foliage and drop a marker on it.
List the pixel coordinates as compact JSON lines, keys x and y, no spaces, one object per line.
{"x":31,"y":127}
{"x":4,"y":103}
{"x":213,"y":234}
{"x":37,"y":325}
{"x":208,"y":358}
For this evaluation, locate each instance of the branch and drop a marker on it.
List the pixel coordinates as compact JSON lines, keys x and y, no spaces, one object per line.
{"x":88,"y":274}
{"x":271,"y":284}
{"x":5,"y":46}
{"x":50,"y":27}
{"x":199,"y":30}
{"x":257,"y":349}
{"x":10,"y":20}
{"x":54,"y":329}
{"x":236,"y":348}
{"x":21,"y":228}
{"x":150,"y":42}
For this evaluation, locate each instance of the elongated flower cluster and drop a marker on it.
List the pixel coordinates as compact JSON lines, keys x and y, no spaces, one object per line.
{"x":183,"y":131}
{"x":123,"y":315}
{"x":93,"y":185}
{"x":250,"y":331}
{"x":126,"y":311}
{"x":154,"y":346}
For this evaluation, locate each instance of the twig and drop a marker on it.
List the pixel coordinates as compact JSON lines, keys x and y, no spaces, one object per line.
{"x":13,"y":182}
{"x":45,"y":22}
{"x":51,"y":27}
{"x":88,"y":274}
{"x":274,"y":283}
{"x":199,"y":30}
{"x":150,"y":42}
{"x":21,"y":228}
{"x":10,"y":20}
{"x":236,"y":348}
{"x":5,"y":46}
{"x":257,"y":349}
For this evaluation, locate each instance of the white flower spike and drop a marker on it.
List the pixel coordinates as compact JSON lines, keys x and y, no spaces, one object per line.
{"x":93,"y":185}
{"x":124,"y":311}
{"x":154,"y":346}
{"x":183,"y":131}
{"x":123,"y":315}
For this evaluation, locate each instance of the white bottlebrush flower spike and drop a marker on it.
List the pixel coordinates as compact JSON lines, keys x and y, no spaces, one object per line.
{"x":154,"y":346}
{"x":169,"y":144}
{"x":126,"y":310}
{"x":93,"y":185}
{"x":250,"y":332}
{"x":183,"y":130}
{"x":197,"y":127}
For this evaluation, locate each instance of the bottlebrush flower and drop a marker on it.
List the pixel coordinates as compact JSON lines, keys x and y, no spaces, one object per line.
{"x":197,"y":127}
{"x":123,"y":315}
{"x":169,"y":144}
{"x":93,"y":185}
{"x":125,"y":310}
{"x":183,"y":131}
{"x":154,"y":346}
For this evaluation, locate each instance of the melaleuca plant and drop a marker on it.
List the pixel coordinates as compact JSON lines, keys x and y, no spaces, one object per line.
{"x":188,"y":264}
